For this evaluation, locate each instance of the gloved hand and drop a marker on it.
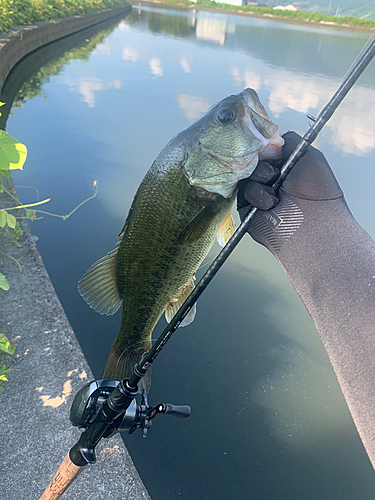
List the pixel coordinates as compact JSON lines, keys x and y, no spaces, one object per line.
{"x":329,"y":260}
{"x":311,"y":180}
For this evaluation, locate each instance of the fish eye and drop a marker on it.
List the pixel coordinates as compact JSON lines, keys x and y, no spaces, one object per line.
{"x":226,"y":115}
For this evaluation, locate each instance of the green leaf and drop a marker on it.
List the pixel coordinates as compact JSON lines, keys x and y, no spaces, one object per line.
{"x":6,"y":346}
{"x":4,"y":282}
{"x":31,"y":214}
{"x":12,"y":153}
{"x":3,"y":218}
{"x":4,"y":370}
{"x":11,"y":221}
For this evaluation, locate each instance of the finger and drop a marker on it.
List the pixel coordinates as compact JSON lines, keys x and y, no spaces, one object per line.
{"x":292,"y":139}
{"x":265,"y":173}
{"x":258,"y":195}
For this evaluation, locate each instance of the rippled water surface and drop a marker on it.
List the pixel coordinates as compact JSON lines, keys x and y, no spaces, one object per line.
{"x":268,"y":418}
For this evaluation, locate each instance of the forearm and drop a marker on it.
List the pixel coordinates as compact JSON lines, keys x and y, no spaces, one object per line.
{"x":330,"y":261}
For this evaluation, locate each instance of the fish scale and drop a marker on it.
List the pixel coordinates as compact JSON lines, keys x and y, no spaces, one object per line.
{"x":183,"y":203}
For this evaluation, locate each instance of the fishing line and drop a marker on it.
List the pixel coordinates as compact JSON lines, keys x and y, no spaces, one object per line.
{"x":362,"y":51}
{"x":206,"y":263}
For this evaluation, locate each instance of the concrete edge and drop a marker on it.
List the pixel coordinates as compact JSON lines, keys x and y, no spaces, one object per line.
{"x":46,"y":371}
{"x":18,"y":42}
{"x":49,"y":366}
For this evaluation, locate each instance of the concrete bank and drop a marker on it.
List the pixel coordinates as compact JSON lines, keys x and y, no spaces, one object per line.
{"x":48,"y":368}
{"x":18,"y":42}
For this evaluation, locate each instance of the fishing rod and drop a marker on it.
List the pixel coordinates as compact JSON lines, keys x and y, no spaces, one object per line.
{"x":103,"y":407}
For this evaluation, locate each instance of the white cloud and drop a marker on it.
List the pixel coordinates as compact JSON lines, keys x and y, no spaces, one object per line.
{"x":185,"y":63}
{"x":247,"y":78}
{"x":293,"y":92}
{"x":352,"y":126}
{"x":124,"y":26}
{"x":156,"y":67}
{"x":192,"y":106}
{"x":131,"y":54}
{"x":102,"y":49}
{"x":88,"y":86}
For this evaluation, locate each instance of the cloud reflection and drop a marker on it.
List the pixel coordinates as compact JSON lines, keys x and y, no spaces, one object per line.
{"x":185,"y":63}
{"x":136,"y":54}
{"x":351,"y":126}
{"x":102,"y":49}
{"x":88,"y":86}
{"x":246,"y":78}
{"x":192,"y":106}
{"x":156,"y":67}
{"x":131,"y":54}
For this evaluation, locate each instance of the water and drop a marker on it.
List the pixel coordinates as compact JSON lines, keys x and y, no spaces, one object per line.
{"x":268,"y":418}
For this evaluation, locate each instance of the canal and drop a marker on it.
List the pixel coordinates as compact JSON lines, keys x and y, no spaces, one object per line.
{"x":268,"y":418}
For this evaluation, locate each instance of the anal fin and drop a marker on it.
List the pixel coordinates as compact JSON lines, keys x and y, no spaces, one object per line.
{"x":175,"y":305}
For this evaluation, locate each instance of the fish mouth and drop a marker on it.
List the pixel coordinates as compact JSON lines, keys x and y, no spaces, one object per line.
{"x":256,"y":123}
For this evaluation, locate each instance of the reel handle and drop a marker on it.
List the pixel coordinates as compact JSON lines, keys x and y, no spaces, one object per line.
{"x":181,"y":411}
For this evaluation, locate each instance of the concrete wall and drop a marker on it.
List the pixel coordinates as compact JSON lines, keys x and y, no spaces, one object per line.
{"x":20,"y":41}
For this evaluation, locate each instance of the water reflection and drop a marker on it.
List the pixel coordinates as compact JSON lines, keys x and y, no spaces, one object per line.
{"x":351,"y":127}
{"x":268,"y":419}
{"x":52,"y":57}
{"x":352,"y":131}
{"x":87,"y":87}
{"x":246,"y":78}
{"x":102,"y":49}
{"x":186,"y":63}
{"x":192,"y":106}
{"x":287,"y":90}
{"x":131,"y":54}
{"x":212,"y":30}
{"x":156,"y":66}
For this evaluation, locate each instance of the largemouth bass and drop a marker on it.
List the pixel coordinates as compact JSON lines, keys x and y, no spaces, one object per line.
{"x":183,"y":203}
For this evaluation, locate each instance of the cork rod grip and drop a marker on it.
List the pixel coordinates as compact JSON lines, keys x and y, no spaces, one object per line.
{"x":65,"y":475}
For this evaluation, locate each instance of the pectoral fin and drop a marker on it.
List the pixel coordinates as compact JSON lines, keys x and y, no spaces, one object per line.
{"x":175,"y":305}
{"x":226,"y":230}
{"x":199,"y":224}
{"x":98,"y":285}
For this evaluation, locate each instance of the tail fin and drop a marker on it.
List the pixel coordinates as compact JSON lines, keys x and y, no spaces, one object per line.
{"x":120,"y":364}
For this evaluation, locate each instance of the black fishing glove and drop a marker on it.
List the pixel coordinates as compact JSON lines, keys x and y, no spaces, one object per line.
{"x":330,"y":261}
{"x":257,"y":189}
{"x":310,"y":180}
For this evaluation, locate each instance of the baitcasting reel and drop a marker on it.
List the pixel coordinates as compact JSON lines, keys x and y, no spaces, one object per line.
{"x":90,"y":399}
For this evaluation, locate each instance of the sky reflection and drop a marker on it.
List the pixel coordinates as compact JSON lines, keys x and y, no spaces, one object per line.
{"x":284,"y":427}
{"x":284,"y":89}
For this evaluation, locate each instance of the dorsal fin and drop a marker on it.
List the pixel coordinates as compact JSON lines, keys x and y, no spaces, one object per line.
{"x":226,"y":230}
{"x":175,"y":305}
{"x":98,"y":285}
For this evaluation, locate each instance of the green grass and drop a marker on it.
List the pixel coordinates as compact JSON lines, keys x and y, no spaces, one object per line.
{"x":19,"y":12}
{"x":302,"y":16}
